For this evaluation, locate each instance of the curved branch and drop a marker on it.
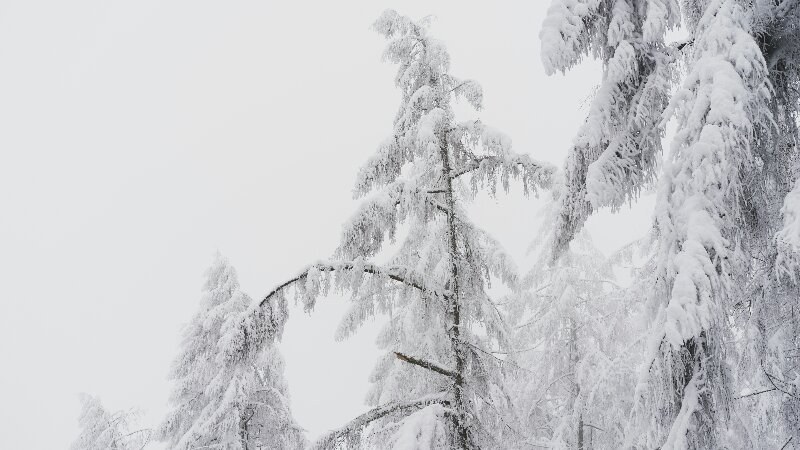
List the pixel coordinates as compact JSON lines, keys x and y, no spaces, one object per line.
{"x":394,"y":273}
{"x":346,"y":432}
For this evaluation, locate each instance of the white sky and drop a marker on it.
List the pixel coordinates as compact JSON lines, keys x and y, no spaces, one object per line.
{"x":138,"y":137}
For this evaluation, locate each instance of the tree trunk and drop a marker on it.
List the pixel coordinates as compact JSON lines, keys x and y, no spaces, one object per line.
{"x":459,"y":425}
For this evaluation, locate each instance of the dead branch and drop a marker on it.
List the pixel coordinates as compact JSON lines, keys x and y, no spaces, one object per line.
{"x":426,"y":364}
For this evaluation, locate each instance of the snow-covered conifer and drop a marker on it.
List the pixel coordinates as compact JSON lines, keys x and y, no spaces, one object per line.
{"x":725,"y":263}
{"x":219,"y":401}
{"x":105,"y":430}
{"x":577,"y":338}
{"x":700,"y":218}
{"x":438,"y":384}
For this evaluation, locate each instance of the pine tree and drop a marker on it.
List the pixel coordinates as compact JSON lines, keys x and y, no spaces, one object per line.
{"x":439,"y":385}
{"x":105,"y":430}
{"x":217,"y":401}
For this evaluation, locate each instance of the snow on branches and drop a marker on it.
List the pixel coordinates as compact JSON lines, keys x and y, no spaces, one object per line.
{"x":228,"y":394}
{"x":615,"y":153}
{"x":434,"y":288}
{"x":103,"y":430}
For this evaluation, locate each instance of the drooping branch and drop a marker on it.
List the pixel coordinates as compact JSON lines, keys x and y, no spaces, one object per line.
{"x":398,"y":274}
{"x":473,"y":165}
{"x":426,"y":364}
{"x":353,"y":428}
{"x":522,"y":161}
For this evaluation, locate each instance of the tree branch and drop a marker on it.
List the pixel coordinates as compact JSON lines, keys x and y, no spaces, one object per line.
{"x":427,"y":365}
{"x":393,"y":273}
{"x":476,"y":163}
{"x":518,"y":160}
{"x":593,"y":426}
{"x":754,"y":393}
{"x":346,"y":432}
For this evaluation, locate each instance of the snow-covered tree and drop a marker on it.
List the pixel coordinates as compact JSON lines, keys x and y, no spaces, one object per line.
{"x":219,"y":402}
{"x":577,"y":337}
{"x":439,"y":384}
{"x":765,"y":309}
{"x":725,"y":262}
{"x":105,"y":430}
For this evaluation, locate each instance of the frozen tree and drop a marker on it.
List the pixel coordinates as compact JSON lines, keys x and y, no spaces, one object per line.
{"x":724,"y":264}
{"x":614,"y":155}
{"x":105,"y":430}
{"x":578,"y":336}
{"x":715,"y":227}
{"x":219,"y":402}
{"x":765,"y":308}
{"x":439,"y":384}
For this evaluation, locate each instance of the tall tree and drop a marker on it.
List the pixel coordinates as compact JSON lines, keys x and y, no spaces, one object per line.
{"x":105,"y":430}
{"x":438,"y":385}
{"x":765,"y":309}
{"x":217,"y":401}
{"x":726,"y":248}
{"x":699,"y":217}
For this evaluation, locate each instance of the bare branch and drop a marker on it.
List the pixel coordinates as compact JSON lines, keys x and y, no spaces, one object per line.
{"x":426,"y":364}
{"x":754,"y":393}
{"x":593,"y":426}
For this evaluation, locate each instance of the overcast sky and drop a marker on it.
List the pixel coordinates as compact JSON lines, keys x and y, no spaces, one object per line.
{"x":138,"y":137}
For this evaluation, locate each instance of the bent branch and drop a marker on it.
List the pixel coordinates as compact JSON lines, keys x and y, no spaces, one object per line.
{"x":353,"y":428}
{"x":401,"y":275}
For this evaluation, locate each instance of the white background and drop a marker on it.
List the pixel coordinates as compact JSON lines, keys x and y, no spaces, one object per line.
{"x":138,"y":137}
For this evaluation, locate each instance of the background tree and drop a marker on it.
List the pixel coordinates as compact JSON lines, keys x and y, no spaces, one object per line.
{"x":105,"y":430}
{"x":217,"y":401}
{"x":578,"y":336}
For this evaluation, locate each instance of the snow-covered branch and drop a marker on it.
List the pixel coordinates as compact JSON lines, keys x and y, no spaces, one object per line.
{"x":352,"y":430}
{"x":399,"y":274}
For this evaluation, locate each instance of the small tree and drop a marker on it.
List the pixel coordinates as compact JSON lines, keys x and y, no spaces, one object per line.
{"x":217,"y":402}
{"x":105,"y":430}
